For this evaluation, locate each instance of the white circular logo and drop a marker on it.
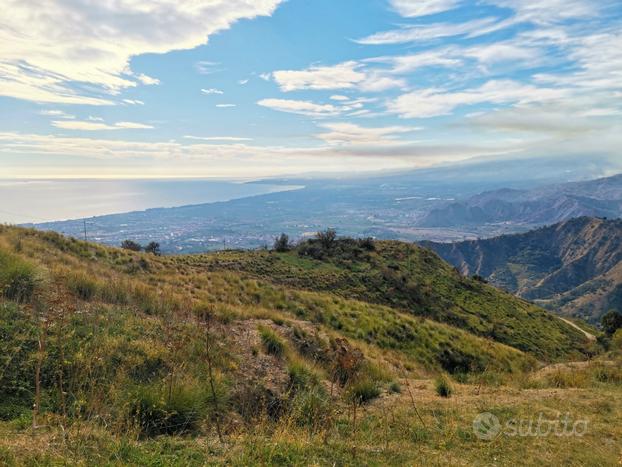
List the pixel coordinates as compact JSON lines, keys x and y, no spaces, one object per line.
{"x":486,"y":426}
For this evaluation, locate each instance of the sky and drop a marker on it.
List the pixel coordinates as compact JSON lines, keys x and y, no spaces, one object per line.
{"x":256,"y":88}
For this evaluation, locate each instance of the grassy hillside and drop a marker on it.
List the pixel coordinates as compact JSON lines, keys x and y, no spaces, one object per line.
{"x":120,"y":358}
{"x":407,"y":278}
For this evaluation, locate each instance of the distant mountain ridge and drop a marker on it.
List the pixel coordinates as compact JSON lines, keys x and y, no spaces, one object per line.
{"x":573,"y":267}
{"x":539,"y":206}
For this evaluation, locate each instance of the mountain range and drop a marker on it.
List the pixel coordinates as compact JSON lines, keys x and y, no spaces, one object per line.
{"x":573,"y":267}
{"x":542,"y":205}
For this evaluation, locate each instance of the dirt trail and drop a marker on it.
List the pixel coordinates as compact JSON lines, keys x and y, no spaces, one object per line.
{"x":589,"y":336}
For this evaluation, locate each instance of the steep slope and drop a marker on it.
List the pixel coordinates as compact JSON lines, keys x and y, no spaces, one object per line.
{"x":574,"y":267}
{"x":407,"y":278}
{"x":544,"y":205}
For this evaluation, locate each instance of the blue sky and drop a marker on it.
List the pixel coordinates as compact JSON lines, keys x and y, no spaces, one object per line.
{"x":248,"y":88}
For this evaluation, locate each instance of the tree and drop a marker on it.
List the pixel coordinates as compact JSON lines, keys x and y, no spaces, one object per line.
{"x":153,"y":248}
{"x":327,"y":238}
{"x":131,"y":245}
{"x":281,"y":243}
{"x":611,"y":322}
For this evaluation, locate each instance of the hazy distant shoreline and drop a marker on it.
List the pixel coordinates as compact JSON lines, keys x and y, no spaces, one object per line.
{"x":38,"y":201}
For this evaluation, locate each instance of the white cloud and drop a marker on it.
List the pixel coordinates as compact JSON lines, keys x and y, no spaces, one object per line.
{"x":502,"y":52}
{"x":225,"y":106}
{"x":132,"y":125}
{"x":413,"y":8}
{"x":349,"y":133}
{"x":212,"y":91}
{"x":207,"y":68}
{"x":427,"y":32}
{"x":550,"y":11}
{"x":242,"y":82}
{"x":408,"y":63}
{"x":82,"y":125}
{"x":342,"y":76}
{"x":379,"y":81}
{"x":97,"y":125}
{"x":56,"y":113}
{"x":46,"y":48}
{"x":338,"y":97}
{"x":308,"y":108}
{"x":350,"y":107}
{"x":435,"y":102}
{"x":346,"y":75}
{"x":147,"y":80}
{"x":217,"y":138}
{"x":133,"y":102}
{"x":540,"y":12}
{"x":598,"y":60}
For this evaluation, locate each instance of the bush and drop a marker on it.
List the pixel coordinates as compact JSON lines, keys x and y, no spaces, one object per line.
{"x":363,"y":391}
{"x":131,"y":245}
{"x":367,"y":244}
{"x":611,"y":322}
{"x":154,"y":413}
{"x":82,"y":286}
{"x":18,"y":279}
{"x":282,"y":244}
{"x":311,"y":408}
{"x":327,"y":238}
{"x":311,"y":250}
{"x":272,"y":342}
{"x":153,"y":248}
{"x":442,"y":387}
{"x":395,"y":388}
{"x":301,"y":377}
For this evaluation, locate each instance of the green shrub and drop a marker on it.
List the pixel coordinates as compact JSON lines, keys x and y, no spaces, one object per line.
{"x":395,"y":387}
{"x":363,"y":391}
{"x":154,"y":413}
{"x":282,"y":244}
{"x":301,"y":376}
{"x":82,"y":286}
{"x":272,"y":342}
{"x":18,"y":279}
{"x":443,"y":387}
{"x":311,"y":408}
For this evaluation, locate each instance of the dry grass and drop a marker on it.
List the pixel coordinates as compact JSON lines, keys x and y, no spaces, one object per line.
{"x":293,"y":387}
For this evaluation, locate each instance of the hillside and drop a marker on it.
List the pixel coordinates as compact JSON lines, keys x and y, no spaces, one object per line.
{"x":574,"y":267}
{"x":406,"y":278}
{"x":543,"y":205}
{"x":263,"y":358}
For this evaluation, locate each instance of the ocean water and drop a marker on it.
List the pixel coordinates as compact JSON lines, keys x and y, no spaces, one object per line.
{"x":25,"y":201}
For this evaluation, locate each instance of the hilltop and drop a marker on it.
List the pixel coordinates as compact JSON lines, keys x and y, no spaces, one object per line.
{"x":574,"y":267}
{"x":263,"y":357}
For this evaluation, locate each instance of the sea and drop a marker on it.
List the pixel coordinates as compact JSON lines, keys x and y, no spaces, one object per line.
{"x":35,"y":201}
